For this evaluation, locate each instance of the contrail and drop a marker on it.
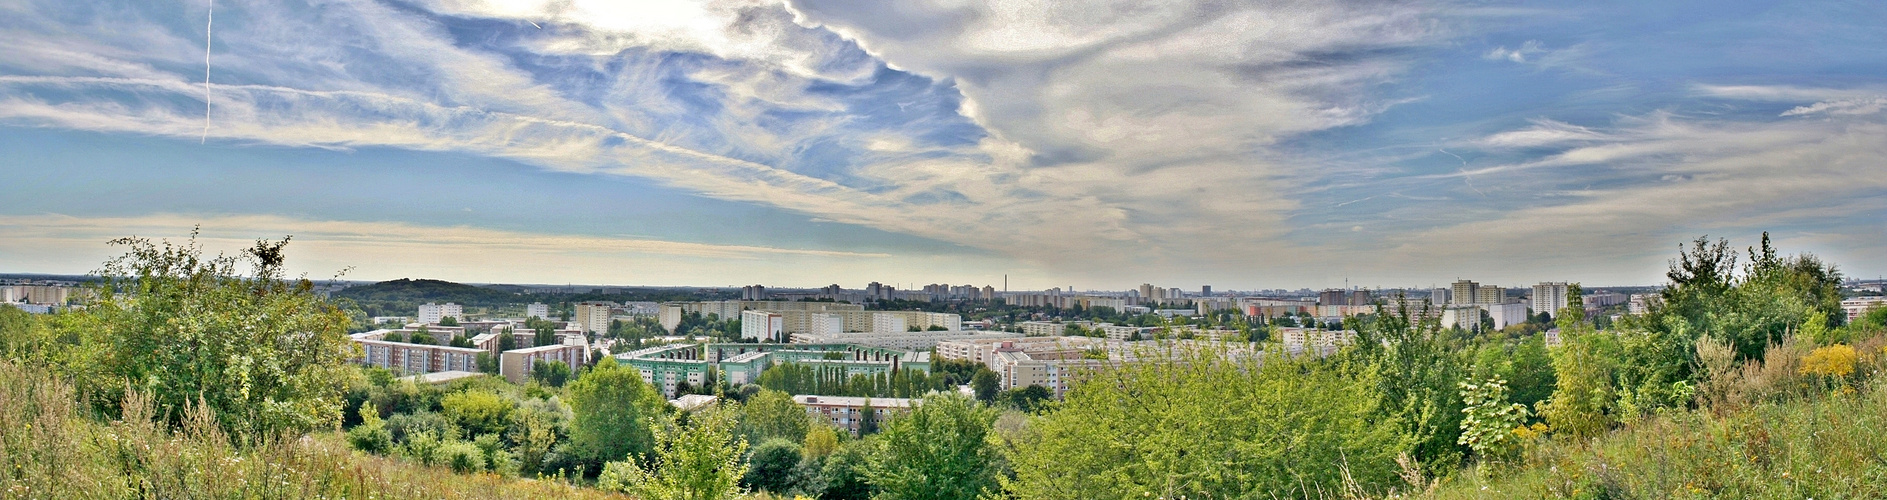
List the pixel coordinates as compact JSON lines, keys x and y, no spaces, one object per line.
{"x":1464,"y":172}
{"x":206,"y":73}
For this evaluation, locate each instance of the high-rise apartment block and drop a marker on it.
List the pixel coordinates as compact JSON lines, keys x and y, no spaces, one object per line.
{"x":431,"y":314}
{"x":1331,"y":297}
{"x":1549,"y":297}
{"x":537,"y":310}
{"x":593,"y":317}
{"x":1464,"y":292}
{"x":1490,"y":294}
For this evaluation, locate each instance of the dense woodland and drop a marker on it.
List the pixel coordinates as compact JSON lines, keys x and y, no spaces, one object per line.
{"x":194,"y":376}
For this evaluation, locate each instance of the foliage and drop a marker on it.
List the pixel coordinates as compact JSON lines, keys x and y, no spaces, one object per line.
{"x":1490,"y":419}
{"x":774,"y":466}
{"x":51,"y":447}
{"x":772,"y":414}
{"x":371,"y":435}
{"x":1162,"y":429}
{"x":1416,"y":371}
{"x":478,"y":412}
{"x":1583,"y":402}
{"x":264,"y":353}
{"x":985,"y":384}
{"x":939,"y":450}
{"x":842,"y":475}
{"x":799,"y":378}
{"x":551,"y":373}
{"x":1825,"y":446}
{"x":700,"y":461}
{"x":611,"y":406}
{"x":1834,"y":362}
{"x":821,"y":440}
{"x":1026,"y":399}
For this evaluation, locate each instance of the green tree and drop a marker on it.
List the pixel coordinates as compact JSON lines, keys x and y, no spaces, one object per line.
{"x":1162,"y":429}
{"x":700,"y":461}
{"x":478,"y":411}
{"x":939,"y":450}
{"x":507,"y":341}
{"x":551,"y":373}
{"x":536,"y":428}
{"x":610,"y":406}
{"x":842,"y":476}
{"x":1417,"y":370}
{"x":772,"y":414}
{"x":774,"y":467}
{"x":1584,"y":365}
{"x":448,"y":321}
{"x":265,"y":353}
{"x":371,"y":435}
{"x":486,"y":363}
{"x":986,"y":384}
{"x":1025,"y":399}
{"x":1489,"y":418}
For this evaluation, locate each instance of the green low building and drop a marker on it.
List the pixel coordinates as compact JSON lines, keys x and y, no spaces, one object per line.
{"x":668,"y":367}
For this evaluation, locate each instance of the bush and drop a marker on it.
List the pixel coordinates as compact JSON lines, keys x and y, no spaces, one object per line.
{"x":774,"y":467}
{"x":461,"y":456}
{"x":1205,"y":427}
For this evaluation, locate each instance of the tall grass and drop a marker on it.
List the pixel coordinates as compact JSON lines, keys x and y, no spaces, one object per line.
{"x":1806,"y":438}
{"x":52,"y":447}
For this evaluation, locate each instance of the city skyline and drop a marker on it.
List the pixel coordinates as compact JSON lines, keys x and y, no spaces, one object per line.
{"x":813,"y":142}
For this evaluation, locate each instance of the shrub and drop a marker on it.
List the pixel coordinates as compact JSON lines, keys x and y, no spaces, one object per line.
{"x":461,"y":456}
{"x":1835,"y":361}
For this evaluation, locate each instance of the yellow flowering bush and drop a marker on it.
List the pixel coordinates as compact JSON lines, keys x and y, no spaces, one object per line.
{"x":1832,"y":361}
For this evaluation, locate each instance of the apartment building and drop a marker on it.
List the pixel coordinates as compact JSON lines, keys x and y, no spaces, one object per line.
{"x":848,"y":412}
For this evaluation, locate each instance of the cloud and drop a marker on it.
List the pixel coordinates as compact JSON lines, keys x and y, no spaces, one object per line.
{"x":1517,"y":54}
{"x":1544,"y":132}
{"x":1857,"y":106}
{"x":374,"y":250}
{"x":1667,"y":178}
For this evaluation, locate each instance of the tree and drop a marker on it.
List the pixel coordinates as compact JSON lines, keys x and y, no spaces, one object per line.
{"x":842,"y":476}
{"x":940,"y":449}
{"x":448,"y":321}
{"x":460,"y":341}
{"x":774,"y":467}
{"x":700,"y":461}
{"x":266,"y":354}
{"x":1025,"y":399}
{"x":371,"y":435}
{"x":610,"y":406}
{"x":1583,"y":365}
{"x":1162,"y":429}
{"x":986,"y":384}
{"x":551,"y":373}
{"x":1416,"y":370}
{"x":821,"y":441}
{"x":1490,"y":419}
{"x":486,"y":363}
{"x":478,"y":411}
{"x":868,"y":421}
{"x":545,"y":336}
{"x":506,"y":341}
{"x":772,"y":414}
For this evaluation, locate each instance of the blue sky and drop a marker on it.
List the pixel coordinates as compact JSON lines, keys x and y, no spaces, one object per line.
{"x":1087,"y":144}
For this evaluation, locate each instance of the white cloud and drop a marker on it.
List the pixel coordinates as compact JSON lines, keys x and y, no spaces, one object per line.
{"x":1516,"y":54}
{"x":385,"y":250}
{"x":1857,"y":106}
{"x":1543,"y":133}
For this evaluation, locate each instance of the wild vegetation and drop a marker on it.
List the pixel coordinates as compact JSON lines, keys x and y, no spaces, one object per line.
{"x":191,"y":377}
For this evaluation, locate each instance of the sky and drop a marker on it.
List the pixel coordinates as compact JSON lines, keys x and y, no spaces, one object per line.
{"x":1094,"y":145}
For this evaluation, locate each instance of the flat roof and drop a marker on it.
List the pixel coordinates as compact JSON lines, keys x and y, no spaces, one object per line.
{"x":440,"y":377}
